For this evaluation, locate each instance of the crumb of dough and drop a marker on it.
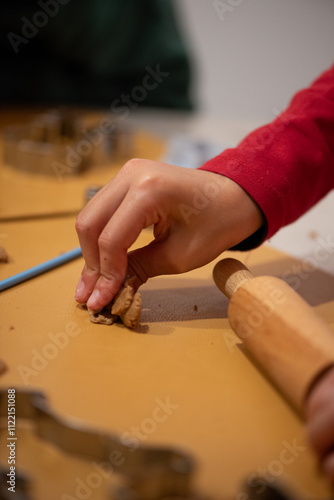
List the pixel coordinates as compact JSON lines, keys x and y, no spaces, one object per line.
{"x":125,"y":306}
{"x":3,"y":255}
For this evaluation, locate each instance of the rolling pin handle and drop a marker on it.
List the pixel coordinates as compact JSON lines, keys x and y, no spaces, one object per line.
{"x":229,"y":274}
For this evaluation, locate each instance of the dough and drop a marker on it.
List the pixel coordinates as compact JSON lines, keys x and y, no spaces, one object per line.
{"x":123,"y":298}
{"x":131,"y":315}
{"x":125,"y":306}
{"x":103,"y":317}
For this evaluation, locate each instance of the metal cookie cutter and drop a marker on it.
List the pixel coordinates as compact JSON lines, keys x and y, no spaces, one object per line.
{"x":150,"y":473}
{"x":65,"y":142}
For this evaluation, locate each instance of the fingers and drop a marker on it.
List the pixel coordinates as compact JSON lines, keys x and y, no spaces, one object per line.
{"x":89,"y":225}
{"x":135,"y":213}
{"x":320,"y":423}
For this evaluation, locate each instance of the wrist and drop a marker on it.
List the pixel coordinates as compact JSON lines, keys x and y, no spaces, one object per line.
{"x":248,"y":224}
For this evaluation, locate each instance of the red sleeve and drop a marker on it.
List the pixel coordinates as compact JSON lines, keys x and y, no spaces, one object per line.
{"x":288,"y":165}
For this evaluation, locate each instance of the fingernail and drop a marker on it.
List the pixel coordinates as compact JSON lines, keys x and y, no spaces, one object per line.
{"x":80,"y":289}
{"x":93,"y":299}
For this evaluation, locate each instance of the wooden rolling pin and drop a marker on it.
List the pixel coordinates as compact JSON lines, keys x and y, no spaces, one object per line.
{"x":280,"y":330}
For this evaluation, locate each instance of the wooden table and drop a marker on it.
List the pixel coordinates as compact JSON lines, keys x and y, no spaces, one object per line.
{"x":224,"y":411}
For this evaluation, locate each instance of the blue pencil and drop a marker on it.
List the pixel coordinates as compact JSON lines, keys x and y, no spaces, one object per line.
{"x":40,"y":268}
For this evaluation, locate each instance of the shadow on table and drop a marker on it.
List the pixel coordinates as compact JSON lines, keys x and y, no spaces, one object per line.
{"x":182,"y":300}
{"x":314,"y":285}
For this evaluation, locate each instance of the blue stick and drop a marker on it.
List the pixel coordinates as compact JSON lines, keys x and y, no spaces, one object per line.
{"x":40,"y":268}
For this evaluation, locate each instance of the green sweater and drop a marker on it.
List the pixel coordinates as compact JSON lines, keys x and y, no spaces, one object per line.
{"x":93,"y":52}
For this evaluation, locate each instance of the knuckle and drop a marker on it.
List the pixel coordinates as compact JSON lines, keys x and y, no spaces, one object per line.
{"x":104,"y":243}
{"x":150,"y":181}
{"x":110,"y":281}
{"x":82,"y":224}
{"x":132,"y":163}
{"x":91,"y":269}
{"x":151,"y":189}
{"x":148,"y":176}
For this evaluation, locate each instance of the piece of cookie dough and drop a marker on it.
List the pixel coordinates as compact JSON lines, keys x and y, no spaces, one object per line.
{"x":126,"y":306}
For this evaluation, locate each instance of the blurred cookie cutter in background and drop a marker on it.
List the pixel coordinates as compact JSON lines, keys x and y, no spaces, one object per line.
{"x":66,"y":141}
{"x":149,"y":473}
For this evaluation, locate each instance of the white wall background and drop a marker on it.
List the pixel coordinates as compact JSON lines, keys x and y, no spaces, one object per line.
{"x":252,"y":55}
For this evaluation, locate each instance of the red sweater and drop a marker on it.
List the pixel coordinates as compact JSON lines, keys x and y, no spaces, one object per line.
{"x":288,"y":165}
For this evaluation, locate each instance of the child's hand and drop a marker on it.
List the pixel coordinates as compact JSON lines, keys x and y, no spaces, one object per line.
{"x":196,"y":215}
{"x":320,"y":423}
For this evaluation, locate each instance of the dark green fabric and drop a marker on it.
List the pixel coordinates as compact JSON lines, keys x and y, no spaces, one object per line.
{"x":91,"y":52}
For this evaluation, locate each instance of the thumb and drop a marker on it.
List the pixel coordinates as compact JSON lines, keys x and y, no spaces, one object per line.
{"x":149,"y":261}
